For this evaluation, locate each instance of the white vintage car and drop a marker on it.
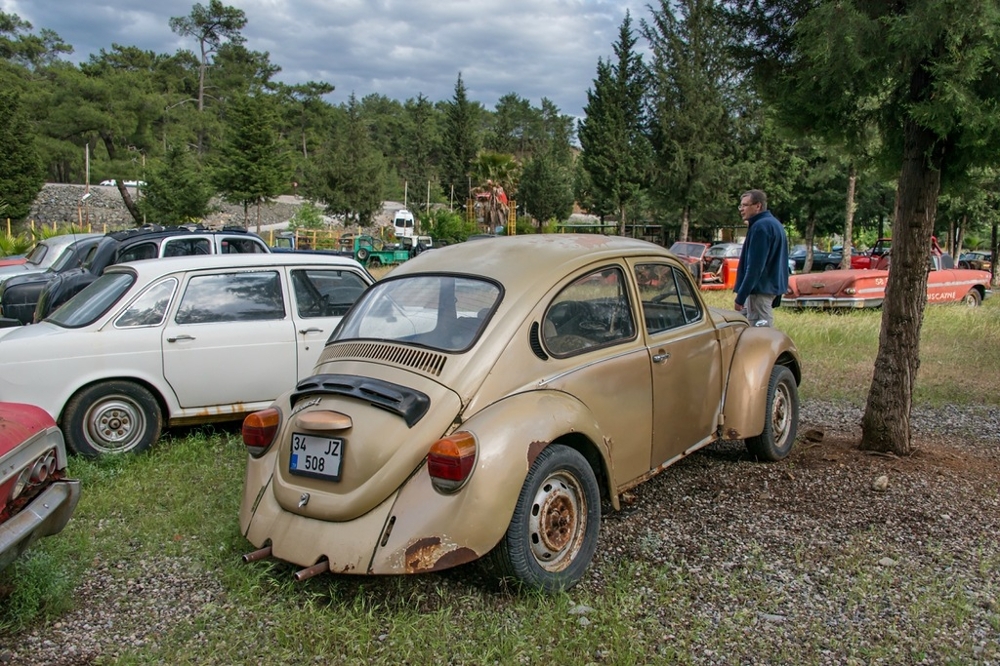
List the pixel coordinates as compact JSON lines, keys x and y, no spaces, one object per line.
{"x":178,"y":340}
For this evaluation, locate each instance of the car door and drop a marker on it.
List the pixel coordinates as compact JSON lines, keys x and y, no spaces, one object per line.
{"x":231,"y":339}
{"x":320,"y":299}
{"x":685,"y":357}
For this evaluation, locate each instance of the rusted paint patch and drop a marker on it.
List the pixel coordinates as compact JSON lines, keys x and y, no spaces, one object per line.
{"x":533,"y":450}
{"x":428,"y":554}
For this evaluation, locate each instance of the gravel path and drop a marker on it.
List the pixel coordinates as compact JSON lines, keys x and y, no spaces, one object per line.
{"x":833,"y":548}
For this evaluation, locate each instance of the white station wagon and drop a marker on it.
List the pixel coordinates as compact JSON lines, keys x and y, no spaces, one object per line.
{"x":176,"y":341}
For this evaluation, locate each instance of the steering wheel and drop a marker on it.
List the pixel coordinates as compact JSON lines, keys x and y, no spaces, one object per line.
{"x":566,"y":311}
{"x":659,"y":298}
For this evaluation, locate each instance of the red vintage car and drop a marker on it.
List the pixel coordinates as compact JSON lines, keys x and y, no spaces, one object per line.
{"x":865,"y":288}
{"x":719,"y":266}
{"x":36,"y":498}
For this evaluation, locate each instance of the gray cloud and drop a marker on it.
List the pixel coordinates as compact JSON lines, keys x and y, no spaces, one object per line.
{"x":395,"y":48}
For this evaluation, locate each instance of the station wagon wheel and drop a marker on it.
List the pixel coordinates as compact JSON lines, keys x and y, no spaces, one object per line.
{"x":781,"y":417}
{"x":972,"y":299}
{"x":110,"y":418}
{"x":552,"y":535}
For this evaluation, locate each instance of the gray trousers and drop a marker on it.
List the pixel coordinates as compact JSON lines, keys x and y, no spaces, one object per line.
{"x":758,"y":309}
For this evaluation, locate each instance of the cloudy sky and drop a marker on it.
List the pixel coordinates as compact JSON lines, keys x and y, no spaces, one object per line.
{"x":396,"y":48}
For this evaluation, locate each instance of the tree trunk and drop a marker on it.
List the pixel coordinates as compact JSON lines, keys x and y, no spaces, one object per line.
{"x":994,"y":251}
{"x":685,"y":223}
{"x":810,"y":237}
{"x":621,"y":220}
{"x":885,"y":425}
{"x":133,"y":209}
{"x":852,"y":181}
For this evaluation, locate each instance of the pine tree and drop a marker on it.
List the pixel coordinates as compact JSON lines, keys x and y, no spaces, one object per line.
{"x":460,"y":141}
{"x":616,"y":150}
{"x":21,"y":171}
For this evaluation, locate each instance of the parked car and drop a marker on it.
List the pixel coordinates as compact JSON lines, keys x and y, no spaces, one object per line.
{"x":33,"y":297}
{"x":822,"y":261}
{"x":36,"y":498}
{"x":483,"y":399}
{"x":177,"y":340}
{"x":109,"y":183}
{"x":719,"y":266}
{"x":57,"y":252}
{"x":865,"y":288}
{"x":980,"y":260}
{"x":692,"y":254}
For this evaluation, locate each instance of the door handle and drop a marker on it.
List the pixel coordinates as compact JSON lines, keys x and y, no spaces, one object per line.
{"x":180,"y":337}
{"x":661,"y":357}
{"x":311,"y":329}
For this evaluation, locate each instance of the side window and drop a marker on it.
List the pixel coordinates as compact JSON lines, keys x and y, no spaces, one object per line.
{"x":183,"y":247}
{"x":240,"y":246}
{"x":592,"y":311}
{"x":325,"y":293}
{"x":668,"y":297}
{"x":137,"y":252}
{"x":232,"y":297}
{"x":150,"y":307}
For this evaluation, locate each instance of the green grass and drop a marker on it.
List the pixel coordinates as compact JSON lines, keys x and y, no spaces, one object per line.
{"x":959,"y":351}
{"x":176,"y":506}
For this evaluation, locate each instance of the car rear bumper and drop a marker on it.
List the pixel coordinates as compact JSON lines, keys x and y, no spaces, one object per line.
{"x":826,"y":302}
{"x":47,"y":514}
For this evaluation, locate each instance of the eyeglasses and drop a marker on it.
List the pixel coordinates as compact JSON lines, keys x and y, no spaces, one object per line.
{"x":746,"y":205}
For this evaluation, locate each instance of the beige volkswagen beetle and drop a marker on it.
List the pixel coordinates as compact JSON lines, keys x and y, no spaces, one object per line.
{"x":485,"y":398}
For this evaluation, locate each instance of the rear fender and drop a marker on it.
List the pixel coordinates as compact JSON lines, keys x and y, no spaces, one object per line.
{"x":428,"y":531}
{"x":758,"y":351}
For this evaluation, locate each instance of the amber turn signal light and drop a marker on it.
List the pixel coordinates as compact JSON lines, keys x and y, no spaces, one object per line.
{"x":451,"y":460}
{"x":259,"y":429}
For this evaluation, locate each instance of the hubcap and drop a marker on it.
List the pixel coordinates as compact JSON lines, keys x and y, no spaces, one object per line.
{"x":558,"y":521}
{"x":114,"y":425}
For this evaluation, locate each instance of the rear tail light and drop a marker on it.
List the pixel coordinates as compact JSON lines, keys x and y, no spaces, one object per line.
{"x":451,"y":460}
{"x":259,"y":430}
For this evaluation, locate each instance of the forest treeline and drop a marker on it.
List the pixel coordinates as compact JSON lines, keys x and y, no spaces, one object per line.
{"x":681,"y":117}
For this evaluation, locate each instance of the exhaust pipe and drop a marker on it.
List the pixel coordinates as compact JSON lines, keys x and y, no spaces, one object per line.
{"x":320,"y":567}
{"x":257,"y":554}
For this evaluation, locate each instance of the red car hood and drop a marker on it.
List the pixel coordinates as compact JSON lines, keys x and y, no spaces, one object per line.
{"x":19,"y":423}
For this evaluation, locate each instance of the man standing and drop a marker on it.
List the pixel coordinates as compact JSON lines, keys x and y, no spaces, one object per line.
{"x":762,"y":274}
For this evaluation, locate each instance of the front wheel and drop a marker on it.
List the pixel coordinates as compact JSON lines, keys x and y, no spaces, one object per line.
{"x":552,"y":535}
{"x":110,"y":418}
{"x":781,"y":417}
{"x":972,"y":299}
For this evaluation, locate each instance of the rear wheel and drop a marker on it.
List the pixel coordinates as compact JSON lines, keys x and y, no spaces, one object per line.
{"x":972,"y":299}
{"x":552,"y":535}
{"x":781,"y":417}
{"x":110,"y":418}
{"x":362,"y":254}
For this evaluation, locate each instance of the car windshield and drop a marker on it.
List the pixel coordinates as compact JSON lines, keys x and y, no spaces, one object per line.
{"x":96,"y":299}
{"x":687,"y":249}
{"x":444,"y":312}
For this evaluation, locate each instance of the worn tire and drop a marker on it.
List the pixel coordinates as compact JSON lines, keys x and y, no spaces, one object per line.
{"x":781,"y":417}
{"x":110,"y":418}
{"x":362,"y":254}
{"x":552,"y":535}
{"x":972,"y":299}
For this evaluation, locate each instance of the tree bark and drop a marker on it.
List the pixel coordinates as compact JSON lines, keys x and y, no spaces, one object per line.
{"x":885,"y":425}
{"x":685,"y":223}
{"x":810,"y":238}
{"x":852,"y":181}
{"x":133,"y":209}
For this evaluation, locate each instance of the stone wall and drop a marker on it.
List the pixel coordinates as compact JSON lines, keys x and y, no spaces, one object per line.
{"x":104,"y":209}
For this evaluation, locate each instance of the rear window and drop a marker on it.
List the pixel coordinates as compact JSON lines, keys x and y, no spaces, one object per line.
{"x":90,"y":304}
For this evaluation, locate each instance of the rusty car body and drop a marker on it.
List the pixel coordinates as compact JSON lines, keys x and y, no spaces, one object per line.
{"x":36,"y":498}
{"x":483,"y":399}
{"x":865,"y":288}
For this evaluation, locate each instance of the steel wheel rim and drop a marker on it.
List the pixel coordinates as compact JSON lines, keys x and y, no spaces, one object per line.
{"x":557,"y":522}
{"x":781,"y":414}
{"x":114,"y":425}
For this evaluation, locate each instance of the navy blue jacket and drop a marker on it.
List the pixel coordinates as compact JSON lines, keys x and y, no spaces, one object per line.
{"x":763,"y":267}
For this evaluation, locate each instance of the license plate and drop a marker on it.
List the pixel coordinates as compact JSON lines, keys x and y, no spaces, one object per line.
{"x":813,"y":304}
{"x":318,"y":457}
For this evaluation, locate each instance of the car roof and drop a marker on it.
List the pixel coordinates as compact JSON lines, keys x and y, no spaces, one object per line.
{"x":153,"y":268}
{"x":522,"y":261}
{"x":64,"y":240}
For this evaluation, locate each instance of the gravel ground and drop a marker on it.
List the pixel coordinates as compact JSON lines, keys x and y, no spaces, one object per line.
{"x":834,"y":548}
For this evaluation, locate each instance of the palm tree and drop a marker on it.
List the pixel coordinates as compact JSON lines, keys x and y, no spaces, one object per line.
{"x":496,"y":177}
